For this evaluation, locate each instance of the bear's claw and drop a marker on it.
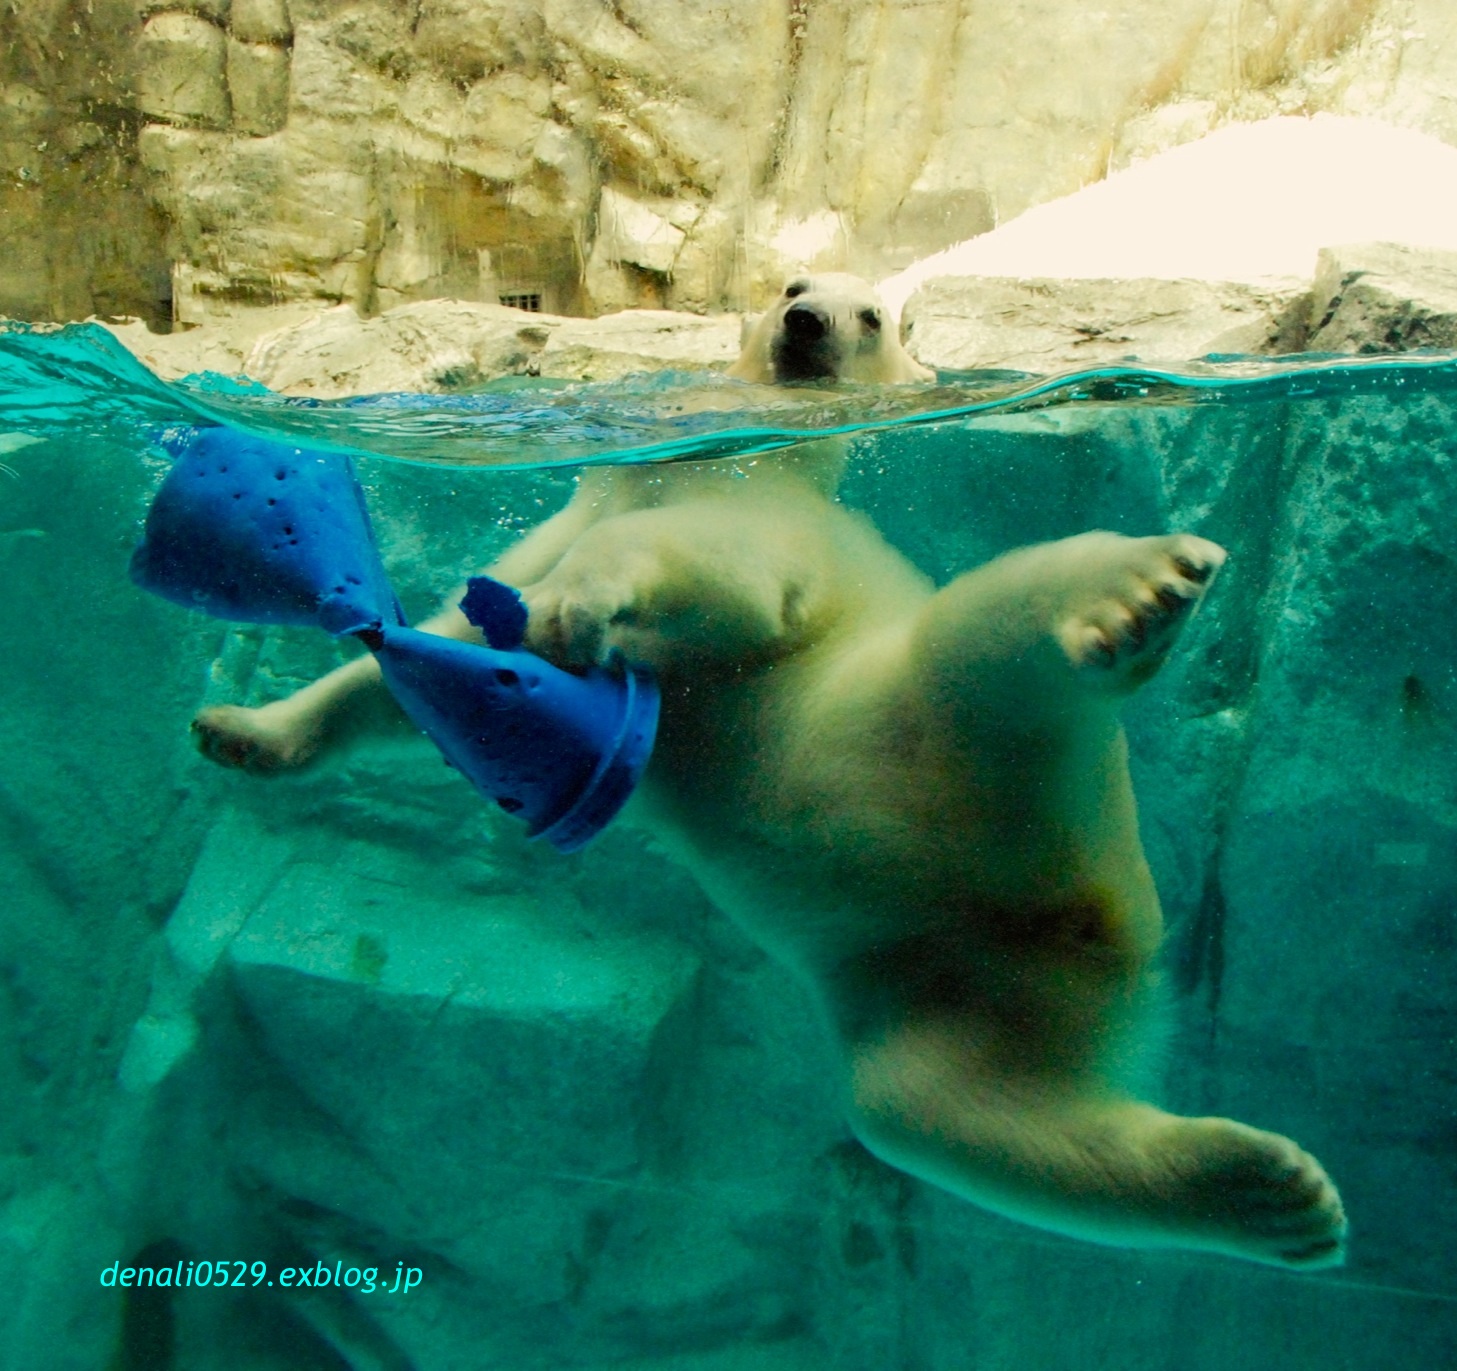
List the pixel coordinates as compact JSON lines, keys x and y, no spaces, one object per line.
{"x":1134,"y":596}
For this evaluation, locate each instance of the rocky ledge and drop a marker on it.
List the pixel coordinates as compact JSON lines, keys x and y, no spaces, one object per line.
{"x":1364,"y":298}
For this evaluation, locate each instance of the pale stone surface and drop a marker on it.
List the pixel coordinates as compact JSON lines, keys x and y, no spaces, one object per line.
{"x":1367,"y":298}
{"x":427,"y":347}
{"x":1044,"y":325}
{"x":639,"y":340}
{"x":630,"y":231}
{"x":182,"y":71}
{"x":220,"y":345}
{"x":217,"y":11}
{"x":258,"y":85}
{"x":343,"y":71}
{"x":323,"y":232}
{"x":430,"y":346}
{"x":1383,"y":297}
{"x":470,"y":38}
{"x":259,"y":21}
{"x":1248,"y":203}
{"x":911,"y":124}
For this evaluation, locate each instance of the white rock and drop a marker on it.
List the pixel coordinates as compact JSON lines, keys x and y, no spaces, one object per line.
{"x":318,"y":187}
{"x":639,"y":340}
{"x":508,"y":110}
{"x":181,"y":71}
{"x":427,"y":347}
{"x":1383,"y":297}
{"x":965,"y":323}
{"x":342,"y":70}
{"x":1169,"y":126}
{"x":260,"y":21}
{"x":629,"y":231}
{"x":220,"y":345}
{"x":435,"y":107}
{"x":915,"y":126}
{"x":258,"y":85}
{"x":1250,"y":202}
{"x":216,"y":11}
{"x":431,"y":346}
{"x":468,"y":38}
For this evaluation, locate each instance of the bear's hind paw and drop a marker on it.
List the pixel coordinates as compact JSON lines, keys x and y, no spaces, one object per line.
{"x":263,"y":740}
{"x":1257,"y":1195}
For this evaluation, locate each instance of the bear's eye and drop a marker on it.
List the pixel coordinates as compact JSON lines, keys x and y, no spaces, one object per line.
{"x":871,"y":319}
{"x":795,"y":288}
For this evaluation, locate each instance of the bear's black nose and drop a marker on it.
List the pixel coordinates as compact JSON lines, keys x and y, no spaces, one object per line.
{"x":805,"y":323}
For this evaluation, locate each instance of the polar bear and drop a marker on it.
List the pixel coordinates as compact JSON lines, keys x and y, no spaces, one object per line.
{"x":917,"y":799}
{"x":830,"y":327}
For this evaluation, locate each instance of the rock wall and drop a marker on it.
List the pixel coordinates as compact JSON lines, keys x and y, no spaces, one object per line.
{"x":587,"y":158}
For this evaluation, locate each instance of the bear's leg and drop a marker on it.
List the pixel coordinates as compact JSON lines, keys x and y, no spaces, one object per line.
{"x":288,"y":733}
{"x":930,"y":1098}
{"x":1098,"y":610}
{"x":705,"y":580}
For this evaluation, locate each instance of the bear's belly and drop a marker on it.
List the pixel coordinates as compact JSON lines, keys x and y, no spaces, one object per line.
{"x":941,"y":906}
{"x":856,"y":850}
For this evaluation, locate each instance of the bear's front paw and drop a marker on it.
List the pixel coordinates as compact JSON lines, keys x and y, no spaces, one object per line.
{"x":572,"y":615}
{"x":1136,"y":595}
{"x":565,"y":628}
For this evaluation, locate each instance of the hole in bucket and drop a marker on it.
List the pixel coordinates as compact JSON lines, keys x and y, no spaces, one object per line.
{"x":280,"y":474}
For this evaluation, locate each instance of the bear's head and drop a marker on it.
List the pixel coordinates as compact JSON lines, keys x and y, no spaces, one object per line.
{"x":829,"y":327}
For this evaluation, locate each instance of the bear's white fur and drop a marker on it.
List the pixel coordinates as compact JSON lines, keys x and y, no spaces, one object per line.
{"x":917,"y":799}
{"x":826,"y":327}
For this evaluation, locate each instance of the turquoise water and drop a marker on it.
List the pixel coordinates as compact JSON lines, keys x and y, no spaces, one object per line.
{"x":78,"y":378}
{"x":351,"y":1016}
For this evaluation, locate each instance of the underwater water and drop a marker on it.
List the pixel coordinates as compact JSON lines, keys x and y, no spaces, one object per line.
{"x":352,"y":1019}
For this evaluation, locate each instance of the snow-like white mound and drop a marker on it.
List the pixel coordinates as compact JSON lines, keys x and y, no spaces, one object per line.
{"x":1249,"y":202}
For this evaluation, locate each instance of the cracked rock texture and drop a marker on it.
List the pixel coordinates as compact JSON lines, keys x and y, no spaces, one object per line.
{"x":165,"y":160}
